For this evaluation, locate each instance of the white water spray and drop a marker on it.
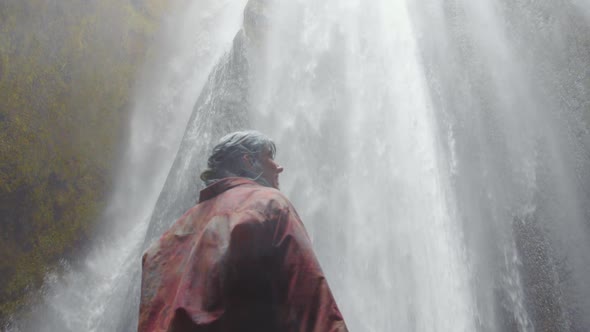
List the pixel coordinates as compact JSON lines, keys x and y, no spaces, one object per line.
{"x":344,"y":95}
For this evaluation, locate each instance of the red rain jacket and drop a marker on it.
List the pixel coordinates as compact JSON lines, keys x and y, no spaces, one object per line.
{"x":240,"y":260}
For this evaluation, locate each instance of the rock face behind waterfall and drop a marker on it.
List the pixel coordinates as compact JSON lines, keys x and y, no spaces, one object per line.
{"x":222,"y":107}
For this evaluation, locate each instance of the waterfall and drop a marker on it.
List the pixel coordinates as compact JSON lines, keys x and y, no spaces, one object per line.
{"x":437,"y":152}
{"x":510,"y":83}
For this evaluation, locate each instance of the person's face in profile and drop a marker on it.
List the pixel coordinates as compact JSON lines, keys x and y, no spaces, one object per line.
{"x":270,"y":169}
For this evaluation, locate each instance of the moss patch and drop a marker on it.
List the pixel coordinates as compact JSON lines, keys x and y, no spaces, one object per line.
{"x":66,"y":71}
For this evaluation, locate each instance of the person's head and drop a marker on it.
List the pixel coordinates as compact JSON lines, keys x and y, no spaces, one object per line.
{"x":248,"y":154}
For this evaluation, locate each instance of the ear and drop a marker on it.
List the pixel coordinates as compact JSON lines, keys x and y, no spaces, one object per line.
{"x":248,"y":162}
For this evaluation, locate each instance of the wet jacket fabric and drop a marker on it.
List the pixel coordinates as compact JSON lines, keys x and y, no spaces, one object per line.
{"x":240,"y":260}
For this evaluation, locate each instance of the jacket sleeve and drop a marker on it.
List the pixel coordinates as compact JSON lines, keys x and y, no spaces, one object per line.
{"x":305,"y":301}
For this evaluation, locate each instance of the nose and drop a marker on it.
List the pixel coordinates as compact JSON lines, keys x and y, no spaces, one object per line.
{"x":280,"y":169}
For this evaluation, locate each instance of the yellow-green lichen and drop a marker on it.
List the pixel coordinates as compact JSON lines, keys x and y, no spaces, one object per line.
{"x":66,"y":71}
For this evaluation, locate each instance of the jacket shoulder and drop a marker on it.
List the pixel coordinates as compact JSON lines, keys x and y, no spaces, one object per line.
{"x":182,"y":227}
{"x":267,"y":199}
{"x":271,"y":194}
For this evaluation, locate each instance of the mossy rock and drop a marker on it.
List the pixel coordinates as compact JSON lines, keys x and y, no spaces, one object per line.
{"x":66,"y":74}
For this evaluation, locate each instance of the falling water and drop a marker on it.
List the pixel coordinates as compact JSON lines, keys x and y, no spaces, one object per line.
{"x":510,"y":82}
{"x":437,"y":151}
{"x":341,"y":88}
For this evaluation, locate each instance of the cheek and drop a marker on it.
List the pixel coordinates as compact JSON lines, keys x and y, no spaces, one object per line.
{"x":275,"y":167}
{"x":269,"y":166}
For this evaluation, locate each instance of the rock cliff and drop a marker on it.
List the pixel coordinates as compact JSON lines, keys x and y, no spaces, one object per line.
{"x":66,"y":73}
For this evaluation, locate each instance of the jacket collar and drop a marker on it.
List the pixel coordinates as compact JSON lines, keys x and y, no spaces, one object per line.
{"x":223,"y":185}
